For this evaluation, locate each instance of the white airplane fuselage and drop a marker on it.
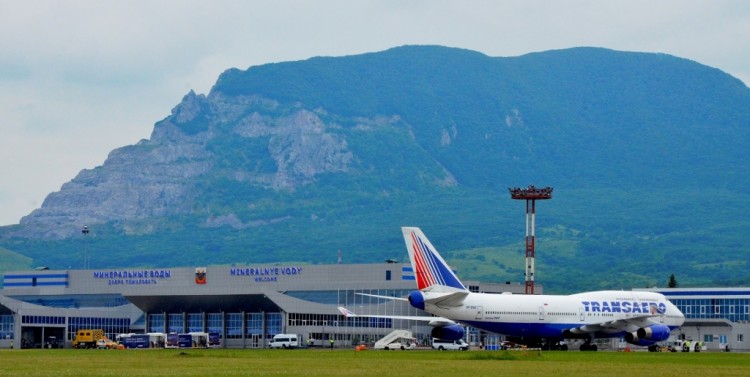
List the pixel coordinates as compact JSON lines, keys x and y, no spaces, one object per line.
{"x":548,"y":316}
{"x":641,"y":318}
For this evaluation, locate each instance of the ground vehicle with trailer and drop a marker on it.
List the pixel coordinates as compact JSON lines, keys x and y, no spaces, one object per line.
{"x":136,"y":341}
{"x":686,"y":346}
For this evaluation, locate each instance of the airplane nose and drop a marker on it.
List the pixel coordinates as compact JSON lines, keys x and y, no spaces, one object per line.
{"x":680,"y":315}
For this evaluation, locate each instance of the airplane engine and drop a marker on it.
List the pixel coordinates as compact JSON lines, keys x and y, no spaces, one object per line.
{"x":654,"y":333}
{"x":646,"y":336}
{"x":451,"y":332}
{"x":632,"y":338}
{"x":417,"y":300}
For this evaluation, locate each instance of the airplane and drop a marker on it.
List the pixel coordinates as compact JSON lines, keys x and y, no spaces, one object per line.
{"x":641,"y":318}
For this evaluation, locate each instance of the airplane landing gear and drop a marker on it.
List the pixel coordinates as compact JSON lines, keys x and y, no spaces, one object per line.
{"x":587,"y":346}
{"x":555,"y":346}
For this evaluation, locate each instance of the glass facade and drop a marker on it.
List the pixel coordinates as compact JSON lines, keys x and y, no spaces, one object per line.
{"x":176,"y":323}
{"x":254,"y":324}
{"x":42,"y":320}
{"x":336,"y":320}
{"x":214,"y":323}
{"x":156,"y":323}
{"x":111,"y":326}
{"x":342,"y":297}
{"x":6,"y":326}
{"x":273,"y":322}
{"x":234,"y":325}
{"x":732,"y":309}
{"x":195,"y":322}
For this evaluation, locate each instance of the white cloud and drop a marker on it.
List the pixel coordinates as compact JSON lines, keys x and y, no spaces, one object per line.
{"x":80,"y":78}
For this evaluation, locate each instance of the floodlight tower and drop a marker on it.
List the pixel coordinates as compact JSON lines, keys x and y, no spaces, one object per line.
{"x":85,"y":232}
{"x":531,"y":195}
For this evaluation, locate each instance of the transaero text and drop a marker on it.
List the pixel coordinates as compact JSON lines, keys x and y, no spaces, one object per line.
{"x":265,"y":274}
{"x":624,"y":307}
{"x":133,"y":277}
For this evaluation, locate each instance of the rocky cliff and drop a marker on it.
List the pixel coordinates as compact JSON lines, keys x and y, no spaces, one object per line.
{"x":297,"y":160}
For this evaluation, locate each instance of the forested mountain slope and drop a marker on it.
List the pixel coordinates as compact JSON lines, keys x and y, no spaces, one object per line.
{"x":294,"y":161}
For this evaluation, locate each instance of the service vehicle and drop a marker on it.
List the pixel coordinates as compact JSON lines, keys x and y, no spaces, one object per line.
{"x":285,"y":341}
{"x":87,"y":338}
{"x":199,"y":339}
{"x":52,"y":342}
{"x":184,"y":341}
{"x":442,"y":344}
{"x":157,"y":339}
{"x":214,"y":339}
{"x":686,"y":346}
{"x":405,"y":344}
{"x":135,"y":341}
{"x":105,"y":344}
{"x":173,"y":340}
{"x":396,"y":340}
{"x":120,"y":337}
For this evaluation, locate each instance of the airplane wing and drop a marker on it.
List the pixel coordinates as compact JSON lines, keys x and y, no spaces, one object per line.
{"x":433,"y":321}
{"x":628,"y":324}
{"x":383,"y":297}
{"x":438,"y":298}
{"x":445,"y":299}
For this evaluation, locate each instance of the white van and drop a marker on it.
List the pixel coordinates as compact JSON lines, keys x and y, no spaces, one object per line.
{"x":442,"y":344}
{"x":284,"y":341}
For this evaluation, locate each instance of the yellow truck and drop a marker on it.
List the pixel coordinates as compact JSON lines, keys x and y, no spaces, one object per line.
{"x":87,"y":338}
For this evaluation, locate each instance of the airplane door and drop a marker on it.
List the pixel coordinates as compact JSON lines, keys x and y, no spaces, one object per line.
{"x":541,"y":313}
{"x":480,"y":312}
{"x":582,"y":313}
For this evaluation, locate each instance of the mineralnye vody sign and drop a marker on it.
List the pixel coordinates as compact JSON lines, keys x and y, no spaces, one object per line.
{"x":265,"y":274}
{"x":133,"y":277}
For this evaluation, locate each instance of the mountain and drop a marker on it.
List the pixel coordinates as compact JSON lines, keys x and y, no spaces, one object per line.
{"x":298,"y":161}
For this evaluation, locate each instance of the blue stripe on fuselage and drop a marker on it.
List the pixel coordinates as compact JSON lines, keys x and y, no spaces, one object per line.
{"x":541,"y":330}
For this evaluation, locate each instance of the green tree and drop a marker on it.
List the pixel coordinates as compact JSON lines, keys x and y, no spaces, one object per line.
{"x":672,"y":282}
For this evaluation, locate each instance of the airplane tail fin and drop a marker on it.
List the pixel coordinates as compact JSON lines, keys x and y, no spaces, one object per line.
{"x":430,"y":270}
{"x":346,"y":312}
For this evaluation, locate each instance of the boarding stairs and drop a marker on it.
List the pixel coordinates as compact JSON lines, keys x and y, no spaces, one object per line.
{"x":393,"y":337}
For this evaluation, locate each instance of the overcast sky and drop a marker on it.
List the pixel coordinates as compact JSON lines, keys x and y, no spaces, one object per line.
{"x":81,"y":78}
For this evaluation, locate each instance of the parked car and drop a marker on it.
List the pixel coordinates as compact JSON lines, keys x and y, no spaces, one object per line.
{"x":105,"y":343}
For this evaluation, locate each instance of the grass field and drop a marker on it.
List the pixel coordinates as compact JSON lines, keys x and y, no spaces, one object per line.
{"x":312,"y":363}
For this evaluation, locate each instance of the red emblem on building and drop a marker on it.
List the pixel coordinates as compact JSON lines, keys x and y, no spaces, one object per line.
{"x":200,"y":275}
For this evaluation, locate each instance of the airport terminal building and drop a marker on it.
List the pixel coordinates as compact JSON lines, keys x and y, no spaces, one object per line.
{"x":247,"y":305}
{"x":718,"y":317}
